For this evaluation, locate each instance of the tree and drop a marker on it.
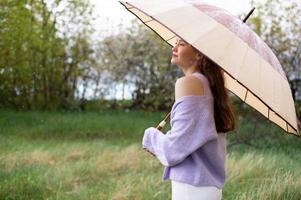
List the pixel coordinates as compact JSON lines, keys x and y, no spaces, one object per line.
{"x":140,"y":57}
{"x":45,"y":51}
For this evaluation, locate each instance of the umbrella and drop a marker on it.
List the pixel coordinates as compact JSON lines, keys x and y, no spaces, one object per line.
{"x":252,"y":71}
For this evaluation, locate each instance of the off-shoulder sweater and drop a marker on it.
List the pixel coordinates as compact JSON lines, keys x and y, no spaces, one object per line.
{"x":191,"y":151}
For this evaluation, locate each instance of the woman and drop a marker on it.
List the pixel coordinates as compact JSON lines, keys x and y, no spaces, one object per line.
{"x":193,"y":151}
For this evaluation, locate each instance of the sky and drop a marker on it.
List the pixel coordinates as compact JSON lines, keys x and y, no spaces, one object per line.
{"x":113,"y":12}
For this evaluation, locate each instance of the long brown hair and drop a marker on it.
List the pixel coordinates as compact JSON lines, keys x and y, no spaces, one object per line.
{"x":223,"y":110}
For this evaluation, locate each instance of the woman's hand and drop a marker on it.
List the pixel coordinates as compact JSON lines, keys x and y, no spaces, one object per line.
{"x":146,"y":143}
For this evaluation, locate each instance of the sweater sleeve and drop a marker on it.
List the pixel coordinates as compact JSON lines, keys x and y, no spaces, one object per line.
{"x":192,"y":126}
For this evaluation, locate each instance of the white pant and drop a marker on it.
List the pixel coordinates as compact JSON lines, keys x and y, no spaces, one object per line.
{"x":183,"y":191}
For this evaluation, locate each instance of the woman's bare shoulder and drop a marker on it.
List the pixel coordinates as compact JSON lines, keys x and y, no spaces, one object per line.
{"x":188,"y":85}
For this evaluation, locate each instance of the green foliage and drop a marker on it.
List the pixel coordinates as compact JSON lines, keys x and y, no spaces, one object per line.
{"x":49,"y":61}
{"x":39,"y":64}
{"x":140,"y":57}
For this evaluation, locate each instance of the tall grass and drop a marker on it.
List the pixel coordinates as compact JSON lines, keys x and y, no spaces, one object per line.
{"x":98,"y":155}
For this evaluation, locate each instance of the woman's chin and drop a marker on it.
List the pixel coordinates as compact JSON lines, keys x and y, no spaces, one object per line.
{"x":173,"y":61}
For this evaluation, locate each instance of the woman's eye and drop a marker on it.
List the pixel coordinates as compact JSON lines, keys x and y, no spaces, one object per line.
{"x":180,"y":43}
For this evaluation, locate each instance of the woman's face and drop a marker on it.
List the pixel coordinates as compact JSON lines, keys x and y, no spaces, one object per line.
{"x":183,"y":54}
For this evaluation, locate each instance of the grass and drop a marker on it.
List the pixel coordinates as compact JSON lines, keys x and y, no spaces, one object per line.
{"x":115,"y":126}
{"x":98,"y":155}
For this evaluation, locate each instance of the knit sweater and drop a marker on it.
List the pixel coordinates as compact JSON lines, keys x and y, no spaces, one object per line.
{"x":191,"y":151}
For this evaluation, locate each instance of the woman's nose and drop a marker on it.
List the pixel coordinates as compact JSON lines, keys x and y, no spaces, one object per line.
{"x":174,"y":48}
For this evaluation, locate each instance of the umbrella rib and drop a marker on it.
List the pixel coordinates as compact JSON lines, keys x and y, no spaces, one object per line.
{"x":149,"y":20}
{"x":127,"y":5}
{"x":171,"y":38}
{"x":153,"y":19}
{"x":246,"y":95}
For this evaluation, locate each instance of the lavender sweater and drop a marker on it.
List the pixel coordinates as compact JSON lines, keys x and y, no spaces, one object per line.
{"x":191,"y":151}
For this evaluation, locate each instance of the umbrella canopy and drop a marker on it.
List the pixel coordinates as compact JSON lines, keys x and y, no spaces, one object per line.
{"x":252,"y":71}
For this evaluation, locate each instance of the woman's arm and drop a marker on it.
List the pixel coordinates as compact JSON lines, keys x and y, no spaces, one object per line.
{"x":192,"y":125}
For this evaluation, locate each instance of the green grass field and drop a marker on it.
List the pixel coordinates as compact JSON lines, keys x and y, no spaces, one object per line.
{"x":98,"y":155}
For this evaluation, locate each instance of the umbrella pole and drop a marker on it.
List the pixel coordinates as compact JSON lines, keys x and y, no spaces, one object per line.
{"x":249,"y":14}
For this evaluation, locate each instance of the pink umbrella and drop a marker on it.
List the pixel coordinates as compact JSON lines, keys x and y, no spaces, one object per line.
{"x":251,"y":69}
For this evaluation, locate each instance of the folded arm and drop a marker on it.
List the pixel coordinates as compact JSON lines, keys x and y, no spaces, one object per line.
{"x":192,"y":126}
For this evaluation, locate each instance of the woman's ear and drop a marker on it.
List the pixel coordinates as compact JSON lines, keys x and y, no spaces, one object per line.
{"x":199,"y":56}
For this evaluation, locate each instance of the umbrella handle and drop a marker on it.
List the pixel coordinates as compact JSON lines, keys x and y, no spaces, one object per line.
{"x":160,"y":127}
{"x":163,"y":122}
